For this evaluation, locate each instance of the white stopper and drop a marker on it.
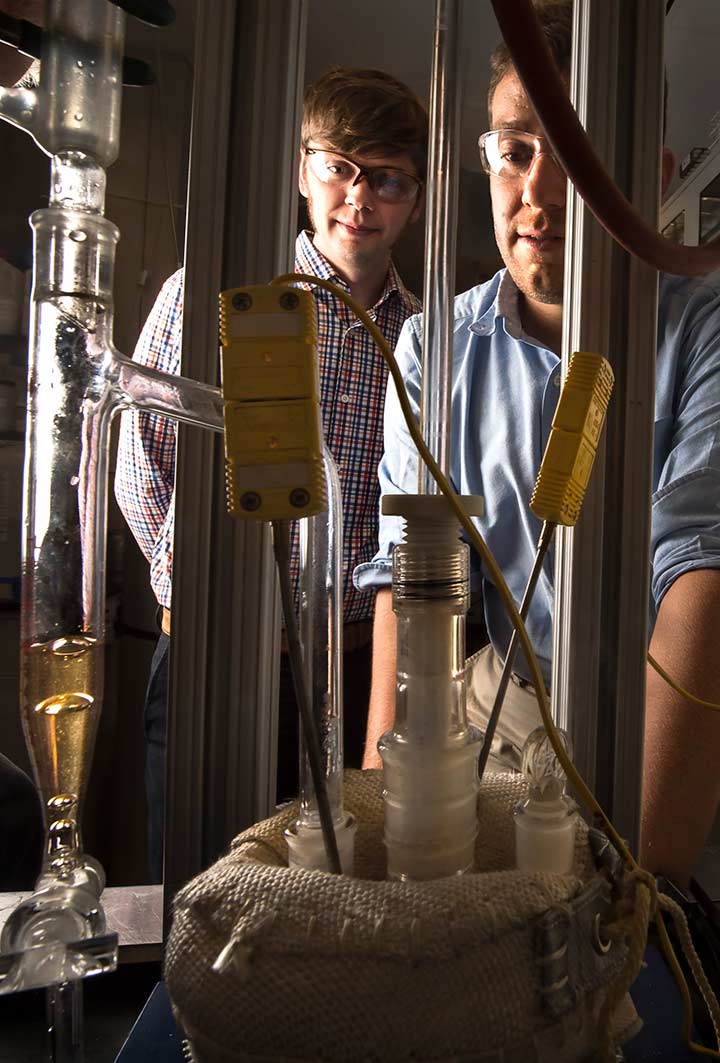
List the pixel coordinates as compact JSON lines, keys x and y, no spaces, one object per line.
{"x":545,"y":820}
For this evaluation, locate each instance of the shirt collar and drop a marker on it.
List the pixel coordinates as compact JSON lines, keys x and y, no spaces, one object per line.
{"x":502,"y":311}
{"x":393,"y":283}
{"x":309,"y":260}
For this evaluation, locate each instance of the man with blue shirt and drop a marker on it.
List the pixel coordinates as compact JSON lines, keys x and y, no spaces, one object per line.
{"x":507,"y":338}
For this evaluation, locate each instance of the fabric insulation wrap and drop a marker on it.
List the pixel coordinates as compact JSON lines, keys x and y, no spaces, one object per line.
{"x":268,"y":964}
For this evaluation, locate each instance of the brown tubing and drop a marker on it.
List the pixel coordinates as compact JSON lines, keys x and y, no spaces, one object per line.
{"x":536,"y":69}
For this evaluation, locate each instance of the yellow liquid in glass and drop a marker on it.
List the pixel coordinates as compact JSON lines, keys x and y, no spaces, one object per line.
{"x":60,"y":705}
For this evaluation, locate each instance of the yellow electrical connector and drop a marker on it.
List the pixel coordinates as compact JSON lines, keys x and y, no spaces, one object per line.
{"x":570,"y":451}
{"x":270,"y":384}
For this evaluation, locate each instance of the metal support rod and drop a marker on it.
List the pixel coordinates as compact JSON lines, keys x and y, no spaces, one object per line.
{"x":603,"y":565}
{"x":440,"y":240}
{"x":222,"y":720}
{"x":546,"y":537}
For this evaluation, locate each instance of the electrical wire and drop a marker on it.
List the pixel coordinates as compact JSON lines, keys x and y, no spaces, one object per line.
{"x":681,"y":690}
{"x":546,"y":537}
{"x":531,"y":58}
{"x":533,"y":62}
{"x":480,"y":546}
{"x":281,"y":546}
{"x":575,"y":779}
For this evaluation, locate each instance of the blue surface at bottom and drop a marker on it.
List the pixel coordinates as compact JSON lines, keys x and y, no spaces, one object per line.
{"x":156,"y":1037}
{"x":658,"y":1004}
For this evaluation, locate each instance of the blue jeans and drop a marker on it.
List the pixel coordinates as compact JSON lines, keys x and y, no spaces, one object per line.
{"x":155,"y":743}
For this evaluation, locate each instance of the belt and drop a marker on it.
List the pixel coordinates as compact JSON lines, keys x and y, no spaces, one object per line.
{"x":356,"y":634}
{"x":524,"y":684}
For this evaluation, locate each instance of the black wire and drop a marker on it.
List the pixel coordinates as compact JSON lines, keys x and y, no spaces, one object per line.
{"x":546,"y":535}
{"x":281,"y":545}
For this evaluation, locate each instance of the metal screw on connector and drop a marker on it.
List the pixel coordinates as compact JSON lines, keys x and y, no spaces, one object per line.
{"x":299,"y":497}
{"x":601,"y":943}
{"x":251,"y":501}
{"x":289,"y":300}
{"x":241,"y":301}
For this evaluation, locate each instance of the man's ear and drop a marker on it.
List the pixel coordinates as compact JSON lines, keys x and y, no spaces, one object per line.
{"x":668,"y":169}
{"x":302,"y":179}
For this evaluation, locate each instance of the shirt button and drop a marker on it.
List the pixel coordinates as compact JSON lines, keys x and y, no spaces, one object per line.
{"x":344,"y":398}
{"x":556,"y":380}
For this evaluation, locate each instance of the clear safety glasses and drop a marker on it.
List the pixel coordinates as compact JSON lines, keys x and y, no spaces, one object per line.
{"x":385,"y":182}
{"x":510,"y":153}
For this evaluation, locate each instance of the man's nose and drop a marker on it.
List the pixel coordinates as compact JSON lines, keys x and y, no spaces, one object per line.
{"x":545,"y":182}
{"x":359,"y":195}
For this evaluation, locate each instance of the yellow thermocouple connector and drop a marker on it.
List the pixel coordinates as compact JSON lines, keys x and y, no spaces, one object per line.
{"x":270,"y":383}
{"x":570,"y":451}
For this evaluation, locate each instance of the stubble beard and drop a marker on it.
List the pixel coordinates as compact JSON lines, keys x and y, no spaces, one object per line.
{"x":544,"y":285}
{"x":540,"y":283}
{"x":343,"y":254}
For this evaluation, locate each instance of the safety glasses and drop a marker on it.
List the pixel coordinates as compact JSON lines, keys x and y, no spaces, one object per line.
{"x":510,"y":153}
{"x":387,"y":183}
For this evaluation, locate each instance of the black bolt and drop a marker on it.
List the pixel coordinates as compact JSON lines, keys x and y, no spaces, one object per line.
{"x":250,"y":501}
{"x":242,"y":301}
{"x":289,"y":300}
{"x":299,"y":497}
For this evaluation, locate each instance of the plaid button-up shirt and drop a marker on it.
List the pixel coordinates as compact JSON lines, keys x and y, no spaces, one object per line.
{"x":353,"y":378}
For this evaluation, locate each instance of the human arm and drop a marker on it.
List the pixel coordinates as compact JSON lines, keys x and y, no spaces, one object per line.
{"x":397,"y":474}
{"x":14,"y":64}
{"x":381,"y":712}
{"x":682,"y":740}
{"x":681,"y":781}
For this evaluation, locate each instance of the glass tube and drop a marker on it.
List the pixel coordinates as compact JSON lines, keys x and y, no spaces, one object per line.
{"x":440,"y":240}
{"x":77,"y":382}
{"x":321,"y":613}
{"x":430,"y":756}
{"x":77,"y":105}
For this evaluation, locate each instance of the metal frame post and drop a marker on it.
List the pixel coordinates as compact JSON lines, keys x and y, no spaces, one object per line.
{"x":602,"y":575}
{"x":222,"y":721}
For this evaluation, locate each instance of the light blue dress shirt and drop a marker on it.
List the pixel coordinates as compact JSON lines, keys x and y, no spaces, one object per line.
{"x":505,"y":390}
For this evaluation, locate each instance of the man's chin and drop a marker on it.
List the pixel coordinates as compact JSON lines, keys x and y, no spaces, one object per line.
{"x":549,"y":295}
{"x":542,"y":285}
{"x":360,"y":257}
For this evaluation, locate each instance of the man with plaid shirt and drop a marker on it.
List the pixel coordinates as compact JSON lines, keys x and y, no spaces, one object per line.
{"x":362,"y":164}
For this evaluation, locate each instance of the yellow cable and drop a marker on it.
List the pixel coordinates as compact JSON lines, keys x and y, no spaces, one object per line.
{"x":680,"y":690}
{"x":480,"y":546}
{"x":574,"y":777}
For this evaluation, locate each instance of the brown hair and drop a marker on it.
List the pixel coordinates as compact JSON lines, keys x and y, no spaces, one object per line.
{"x":366,"y":112}
{"x":555,"y":18}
